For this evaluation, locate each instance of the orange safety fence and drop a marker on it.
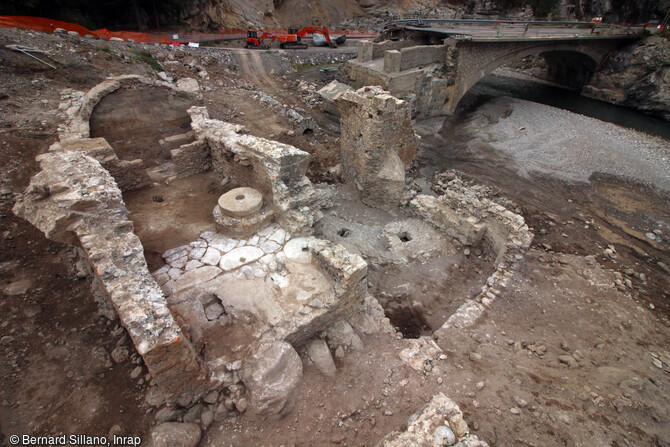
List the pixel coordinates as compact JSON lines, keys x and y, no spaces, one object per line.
{"x":48,"y":26}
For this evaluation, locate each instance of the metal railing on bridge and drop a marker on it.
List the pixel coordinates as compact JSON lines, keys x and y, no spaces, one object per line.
{"x":522,"y":28}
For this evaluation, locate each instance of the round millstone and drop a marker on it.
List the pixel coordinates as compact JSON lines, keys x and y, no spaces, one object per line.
{"x":241,"y":202}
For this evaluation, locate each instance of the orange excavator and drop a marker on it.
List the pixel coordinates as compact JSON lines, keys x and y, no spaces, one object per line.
{"x":292,"y":40}
{"x":253,"y":41}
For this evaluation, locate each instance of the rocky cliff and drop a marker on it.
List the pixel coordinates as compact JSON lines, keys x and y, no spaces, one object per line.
{"x":213,"y":15}
{"x":638,"y":76}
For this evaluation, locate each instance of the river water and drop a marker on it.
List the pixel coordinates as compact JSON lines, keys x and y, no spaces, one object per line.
{"x":496,"y":85}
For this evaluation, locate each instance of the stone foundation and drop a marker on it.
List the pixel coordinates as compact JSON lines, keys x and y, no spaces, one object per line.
{"x":191,"y":159}
{"x":184,"y":160}
{"x":277,"y":170}
{"x":470,"y":216}
{"x":239,"y":297}
{"x":73,"y":199}
{"x":270,"y":280}
{"x":78,"y":107}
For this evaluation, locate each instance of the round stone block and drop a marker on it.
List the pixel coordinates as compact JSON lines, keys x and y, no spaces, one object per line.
{"x":241,"y":202}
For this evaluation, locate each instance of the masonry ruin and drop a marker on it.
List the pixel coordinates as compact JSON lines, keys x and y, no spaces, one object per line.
{"x":277,"y":267}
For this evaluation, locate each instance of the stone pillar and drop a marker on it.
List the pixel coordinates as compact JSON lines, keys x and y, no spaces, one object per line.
{"x":377,"y":144}
{"x":365,"y":48}
{"x":392,"y":60}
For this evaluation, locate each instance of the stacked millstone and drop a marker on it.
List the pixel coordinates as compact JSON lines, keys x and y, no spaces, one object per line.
{"x":214,"y":254}
{"x":240,"y":212}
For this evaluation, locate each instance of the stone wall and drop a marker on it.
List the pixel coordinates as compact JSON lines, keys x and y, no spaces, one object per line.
{"x":422,"y":55}
{"x":349,"y":273}
{"x":73,"y":199}
{"x":128,"y":174}
{"x":276,"y":169}
{"x":466,"y":214}
{"x":363,"y":74}
{"x":368,"y":51}
{"x":190,"y":159}
{"x":377,"y":144}
{"x":78,"y":107}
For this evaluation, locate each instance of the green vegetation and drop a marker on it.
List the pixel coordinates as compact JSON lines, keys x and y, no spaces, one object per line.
{"x":144,"y":56}
{"x":104,"y":48}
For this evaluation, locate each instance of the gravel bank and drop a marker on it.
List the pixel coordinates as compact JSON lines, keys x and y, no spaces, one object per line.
{"x":547,"y":140}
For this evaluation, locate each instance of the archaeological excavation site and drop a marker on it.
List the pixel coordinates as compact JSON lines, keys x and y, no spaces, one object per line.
{"x":439,"y":231}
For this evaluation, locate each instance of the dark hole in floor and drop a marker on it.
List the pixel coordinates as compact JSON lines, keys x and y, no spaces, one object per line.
{"x":404,"y":236}
{"x":307,"y":132}
{"x":344,"y":232}
{"x":408,"y":320}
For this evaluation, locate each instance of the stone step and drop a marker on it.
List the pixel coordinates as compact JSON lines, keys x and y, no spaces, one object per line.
{"x":174,"y":141}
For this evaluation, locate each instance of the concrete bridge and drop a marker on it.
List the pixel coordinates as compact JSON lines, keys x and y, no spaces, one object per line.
{"x":438,"y":61}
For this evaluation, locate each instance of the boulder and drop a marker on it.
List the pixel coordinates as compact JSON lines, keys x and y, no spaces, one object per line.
{"x":320,"y":354}
{"x":342,"y":334}
{"x":175,"y":434}
{"x":272,"y":376}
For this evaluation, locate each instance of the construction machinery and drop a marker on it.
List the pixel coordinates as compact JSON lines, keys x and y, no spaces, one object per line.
{"x":253,"y":41}
{"x":290,"y":41}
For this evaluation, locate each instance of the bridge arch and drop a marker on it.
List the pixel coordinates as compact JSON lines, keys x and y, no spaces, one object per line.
{"x":566,"y":63}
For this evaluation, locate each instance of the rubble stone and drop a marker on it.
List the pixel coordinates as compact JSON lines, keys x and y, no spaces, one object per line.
{"x":273,"y":375}
{"x":275,"y":169}
{"x":441,"y":420}
{"x":175,"y":434}
{"x":319,"y":353}
{"x":467,"y":214}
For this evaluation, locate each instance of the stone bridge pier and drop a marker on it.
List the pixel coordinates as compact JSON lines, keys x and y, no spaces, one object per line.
{"x":438,"y":75}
